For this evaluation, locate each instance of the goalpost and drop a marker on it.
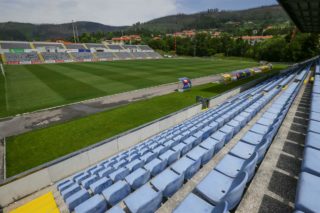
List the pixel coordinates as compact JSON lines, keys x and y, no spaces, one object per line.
{"x":2,"y":70}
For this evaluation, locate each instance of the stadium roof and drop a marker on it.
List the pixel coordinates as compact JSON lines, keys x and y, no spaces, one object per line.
{"x":305,"y":14}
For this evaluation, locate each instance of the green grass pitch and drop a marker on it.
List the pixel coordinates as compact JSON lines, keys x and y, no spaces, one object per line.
{"x":33,"y":87}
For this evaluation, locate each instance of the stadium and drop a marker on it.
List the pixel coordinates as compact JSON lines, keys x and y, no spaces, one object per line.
{"x":123,"y":128}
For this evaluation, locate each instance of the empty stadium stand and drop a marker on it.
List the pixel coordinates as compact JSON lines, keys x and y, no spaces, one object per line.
{"x":114,"y":47}
{"x":81,"y":56}
{"x":53,"y":52}
{"x":15,"y":45}
{"x":56,"y":56}
{"x":142,"y":178}
{"x":75,"y":46}
{"x":16,"y":58}
{"x":308,"y":190}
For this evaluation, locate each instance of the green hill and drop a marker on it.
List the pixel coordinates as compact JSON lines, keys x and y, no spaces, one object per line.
{"x":222,"y":20}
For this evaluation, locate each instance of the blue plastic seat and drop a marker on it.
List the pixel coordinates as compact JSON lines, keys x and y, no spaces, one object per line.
{"x":314,"y":126}
{"x":269,"y":115}
{"x":217,"y":187}
{"x":242,"y":120}
{"x":116,"y":209}
{"x":116,"y":192}
{"x":134,"y":165}
{"x":182,"y":148}
{"x":170,"y":143}
{"x":221,"y":138}
{"x":193,"y":140}
{"x":96,"y":170}
{"x":156,"y":166}
{"x":313,"y":140}
{"x":307,"y":196}
{"x":67,"y":192}
{"x":209,"y":144}
{"x":202,"y":154}
{"x":80,"y":177}
{"x":236,"y":126}
{"x":95,"y":204}
{"x":138,"y":178}
{"x":315,"y":116}
{"x":77,"y":198}
{"x":311,"y":161}
{"x":220,"y":122}
{"x":265,"y":121}
{"x":168,"y":182}
{"x":147,"y":157}
{"x":170,"y":156}
{"x":160,"y":149}
{"x":120,"y":163}
{"x":64,"y":184}
{"x":145,"y":199}
{"x":252,"y":138}
{"x":119,"y":174}
{"x":194,"y":204}
{"x":88,"y":181}
{"x":186,"y":166}
{"x":244,"y":150}
{"x":229,"y":131}
{"x":106,"y":172}
{"x":232,"y":166}
{"x":260,"y":129}
{"x":98,"y":186}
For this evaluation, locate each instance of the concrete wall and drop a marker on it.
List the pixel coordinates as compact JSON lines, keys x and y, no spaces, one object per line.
{"x":33,"y":180}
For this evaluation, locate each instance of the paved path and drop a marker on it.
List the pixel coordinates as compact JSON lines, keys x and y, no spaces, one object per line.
{"x":30,"y":121}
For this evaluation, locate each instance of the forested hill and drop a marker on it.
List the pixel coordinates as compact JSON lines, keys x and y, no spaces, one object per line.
{"x":228,"y":21}
{"x":29,"y":32}
{"x":224,"y":20}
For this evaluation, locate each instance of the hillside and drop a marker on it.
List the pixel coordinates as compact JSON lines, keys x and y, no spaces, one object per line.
{"x":229,"y":21}
{"x":223,"y":20}
{"x":26,"y":31}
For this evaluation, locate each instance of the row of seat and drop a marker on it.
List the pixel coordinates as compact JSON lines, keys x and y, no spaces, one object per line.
{"x":222,"y":189}
{"x":308,"y":190}
{"x":114,"y":179}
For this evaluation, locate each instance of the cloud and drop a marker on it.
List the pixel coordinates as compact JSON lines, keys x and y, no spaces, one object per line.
{"x":112,"y":12}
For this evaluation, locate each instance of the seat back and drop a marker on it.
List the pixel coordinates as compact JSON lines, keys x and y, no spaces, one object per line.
{"x":221,"y":208}
{"x":262,"y":148}
{"x":235,"y":192}
{"x":250,"y":165}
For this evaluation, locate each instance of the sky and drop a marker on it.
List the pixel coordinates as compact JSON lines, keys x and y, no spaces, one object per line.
{"x":111,"y":12}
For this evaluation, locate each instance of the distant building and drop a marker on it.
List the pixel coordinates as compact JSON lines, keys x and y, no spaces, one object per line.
{"x":255,"y":39}
{"x":126,"y":39}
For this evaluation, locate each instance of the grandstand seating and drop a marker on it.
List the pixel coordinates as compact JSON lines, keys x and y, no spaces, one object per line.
{"x":82,"y":56}
{"x":104,"y":55}
{"x":21,"y":57}
{"x":308,"y":190}
{"x":139,"y":55}
{"x":94,"y":45}
{"x":15,"y":45}
{"x":45,"y":44}
{"x":75,"y":46}
{"x":123,"y":55}
{"x":114,"y":47}
{"x":56,"y":56}
{"x":144,"y":48}
{"x":155,"y":169}
{"x":228,"y":180}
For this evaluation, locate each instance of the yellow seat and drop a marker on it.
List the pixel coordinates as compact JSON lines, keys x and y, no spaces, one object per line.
{"x":42,"y":204}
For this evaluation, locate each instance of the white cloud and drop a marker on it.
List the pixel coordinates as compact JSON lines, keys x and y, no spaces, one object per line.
{"x":111,"y":12}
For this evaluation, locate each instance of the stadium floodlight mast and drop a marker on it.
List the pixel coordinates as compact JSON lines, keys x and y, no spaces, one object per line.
{"x":75,"y":32}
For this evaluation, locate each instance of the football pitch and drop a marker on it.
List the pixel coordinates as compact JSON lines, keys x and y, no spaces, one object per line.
{"x":32,"y":87}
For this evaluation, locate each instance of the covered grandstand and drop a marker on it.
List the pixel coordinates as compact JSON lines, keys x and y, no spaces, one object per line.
{"x":14,"y":52}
